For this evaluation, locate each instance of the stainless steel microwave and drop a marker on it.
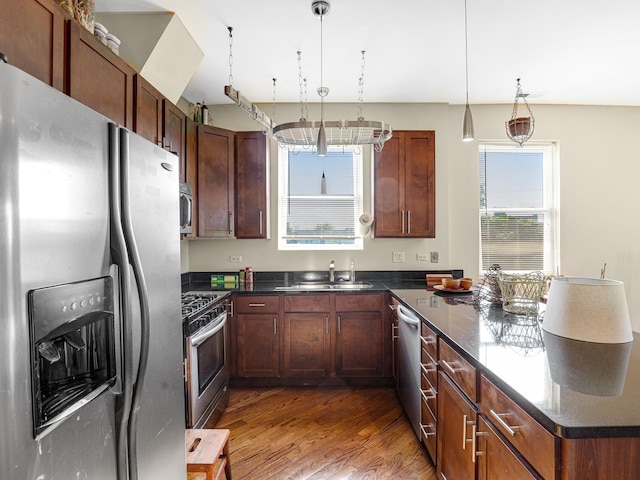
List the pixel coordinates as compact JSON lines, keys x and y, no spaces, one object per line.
{"x":186,"y":208}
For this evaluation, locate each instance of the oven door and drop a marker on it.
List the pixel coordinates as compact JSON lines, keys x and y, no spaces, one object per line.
{"x":207,"y":374}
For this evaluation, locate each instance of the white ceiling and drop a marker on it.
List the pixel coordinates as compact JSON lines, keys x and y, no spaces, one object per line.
{"x":564,"y":51}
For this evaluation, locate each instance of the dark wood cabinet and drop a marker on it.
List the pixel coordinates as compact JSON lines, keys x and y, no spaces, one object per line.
{"x":98,"y":78}
{"x":495,"y":458}
{"x":147,"y":120}
{"x":360,"y":333}
{"x":404,"y":186}
{"x":306,"y":345}
{"x":160,"y":121}
{"x":215,"y":182}
{"x":456,"y":418}
{"x":257,"y":332}
{"x":173,"y":133}
{"x":252,"y":185}
{"x":307,"y":340}
{"x":359,"y":344}
{"x":32,"y":36}
{"x":191,"y":168}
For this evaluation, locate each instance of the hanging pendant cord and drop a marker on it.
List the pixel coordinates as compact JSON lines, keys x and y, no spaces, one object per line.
{"x":321,"y":75}
{"x":466,"y":52}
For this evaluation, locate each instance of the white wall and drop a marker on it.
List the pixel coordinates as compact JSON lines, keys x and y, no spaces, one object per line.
{"x":599,"y":173}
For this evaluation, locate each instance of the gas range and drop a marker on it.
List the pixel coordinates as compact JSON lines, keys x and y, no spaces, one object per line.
{"x":199,"y":309}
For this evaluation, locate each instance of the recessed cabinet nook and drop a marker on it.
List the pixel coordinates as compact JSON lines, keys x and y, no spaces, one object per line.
{"x":471,"y":426}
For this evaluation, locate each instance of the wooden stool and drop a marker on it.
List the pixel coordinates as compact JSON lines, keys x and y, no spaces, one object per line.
{"x":208,"y":452}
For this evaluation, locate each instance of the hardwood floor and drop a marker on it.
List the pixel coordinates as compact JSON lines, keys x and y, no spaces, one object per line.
{"x":327,"y":433}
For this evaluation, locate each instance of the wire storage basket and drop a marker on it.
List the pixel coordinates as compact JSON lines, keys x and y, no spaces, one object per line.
{"x":521,"y":292}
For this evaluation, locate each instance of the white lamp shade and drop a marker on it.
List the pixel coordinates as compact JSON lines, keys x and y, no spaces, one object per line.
{"x":588,"y":309}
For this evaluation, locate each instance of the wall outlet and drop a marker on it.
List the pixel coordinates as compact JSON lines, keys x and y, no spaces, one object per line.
{"x":235,"y":258}
{"x":422,"y":257}
{"x":434,"y":257}
{"x":423,"y":302}
{"x":398,"y":257}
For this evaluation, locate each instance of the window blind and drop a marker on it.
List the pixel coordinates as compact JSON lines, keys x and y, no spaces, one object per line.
{"x":517,"y":206}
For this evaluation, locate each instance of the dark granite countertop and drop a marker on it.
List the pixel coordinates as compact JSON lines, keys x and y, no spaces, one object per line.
{"x":575,"y":389}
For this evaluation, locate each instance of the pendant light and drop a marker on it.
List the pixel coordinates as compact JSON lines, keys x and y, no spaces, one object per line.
{"x":467,"y":122}
{"x":321,"y":8}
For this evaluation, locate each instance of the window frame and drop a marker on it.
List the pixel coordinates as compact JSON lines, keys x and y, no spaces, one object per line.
{"x":283,"y":182}
{"x":550,"y":195}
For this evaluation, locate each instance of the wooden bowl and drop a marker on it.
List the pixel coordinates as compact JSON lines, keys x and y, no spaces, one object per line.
{"x":466,"y":283}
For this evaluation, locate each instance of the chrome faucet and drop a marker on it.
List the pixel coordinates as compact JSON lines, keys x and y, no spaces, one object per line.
{"x":332,"y":268}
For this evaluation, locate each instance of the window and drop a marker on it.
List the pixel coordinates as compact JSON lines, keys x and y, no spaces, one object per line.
{"x":518,"y":210}
{"x":320,"y":199}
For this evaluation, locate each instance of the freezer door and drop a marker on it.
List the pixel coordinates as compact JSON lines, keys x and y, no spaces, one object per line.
{"x":53,"y":230}
{"x":153,"y":192}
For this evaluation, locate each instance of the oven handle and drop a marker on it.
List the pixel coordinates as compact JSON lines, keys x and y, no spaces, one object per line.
{"x":207,"y":332}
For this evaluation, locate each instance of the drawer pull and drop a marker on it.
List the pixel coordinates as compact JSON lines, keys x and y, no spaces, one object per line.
{"x":429,"y":394}
{"x":428,"y":340}
{"x":257,"y":304}
{"x":424,"y":431}
{"x":425,"y":368}
{"x":466,"y":440}
{"x":450,"y":366}
{"x":512,"y":429}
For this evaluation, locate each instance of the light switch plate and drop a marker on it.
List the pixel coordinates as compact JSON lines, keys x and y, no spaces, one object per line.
{"x":398,"y":257}
{"x":434,"y":257}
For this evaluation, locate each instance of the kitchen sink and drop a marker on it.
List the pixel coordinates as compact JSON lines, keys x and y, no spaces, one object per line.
{"x":314,"y":286}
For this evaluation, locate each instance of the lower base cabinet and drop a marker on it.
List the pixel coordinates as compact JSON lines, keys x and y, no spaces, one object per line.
{"x":456,"y":418}
{"x":258,"y":345}
{"x":496,"y":461}
{"x":306,"y":345}
{"x":359,"y":344}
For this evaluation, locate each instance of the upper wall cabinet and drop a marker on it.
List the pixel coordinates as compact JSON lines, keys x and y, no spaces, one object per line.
{"x":148,"y":112}
{"x":252,"y":184}
{"x":159,"y":120}
{"x":98,"y":78}
{"x":404,"y":186}
{"x":215,"y":182}
{"x":32,"y":37}
{"x":191,"y":168}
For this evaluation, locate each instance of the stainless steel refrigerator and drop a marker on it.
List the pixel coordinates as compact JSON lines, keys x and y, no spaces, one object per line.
{"x":91,"y":382}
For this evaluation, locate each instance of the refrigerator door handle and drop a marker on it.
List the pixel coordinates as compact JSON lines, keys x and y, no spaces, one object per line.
{"x":143,"y":294}
{"x":120,"y":270}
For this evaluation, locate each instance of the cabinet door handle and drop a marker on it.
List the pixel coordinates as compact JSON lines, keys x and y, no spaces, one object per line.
{"x":511,"y":429}
{"x":339,"y":324}
{"x":230,"y":304}
{"x":408,"y":222}
{"x":275,"y":326}
{"x":476,"y":453}
{"x":230,"y":223}
{"x":450,"y":366}
{"x":465,"y":440}
{"x":403,"y":222}
{"x":429,"y":340}
{"x":326,"y":325}
{"x":260,"y":222}
{"x":256,"y":304}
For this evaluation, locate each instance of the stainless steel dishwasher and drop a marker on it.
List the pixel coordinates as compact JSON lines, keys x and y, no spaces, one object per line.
{"x":409,"y":365}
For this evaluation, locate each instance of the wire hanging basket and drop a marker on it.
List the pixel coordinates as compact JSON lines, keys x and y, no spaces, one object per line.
{"x":521,"y":292}
{"x":520,"y":129}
